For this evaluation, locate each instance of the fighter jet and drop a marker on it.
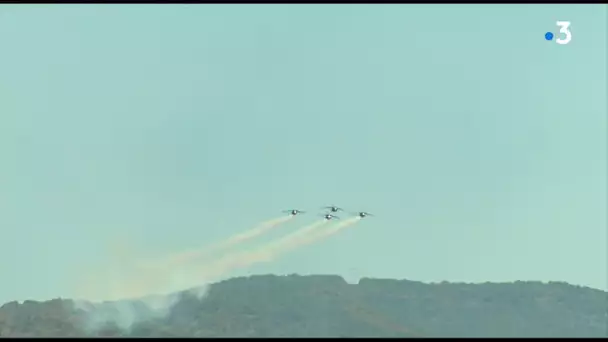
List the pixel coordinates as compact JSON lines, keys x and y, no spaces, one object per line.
{"x":363,"y":214}
{"x":294,"y":212}
{"x":333,"y":208}
{"x":330,"y":217}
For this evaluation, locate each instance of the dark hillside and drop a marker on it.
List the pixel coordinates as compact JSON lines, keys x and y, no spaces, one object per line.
{"x":316,"y":306}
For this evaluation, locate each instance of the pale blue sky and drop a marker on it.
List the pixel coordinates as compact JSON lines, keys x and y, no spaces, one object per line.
{"x":480,"y":146}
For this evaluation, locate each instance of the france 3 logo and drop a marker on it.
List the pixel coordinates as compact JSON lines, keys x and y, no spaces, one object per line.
{"x":564,"y":31}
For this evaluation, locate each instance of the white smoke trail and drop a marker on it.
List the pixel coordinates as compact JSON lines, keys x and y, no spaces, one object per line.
{"x":268,"y":252}
{"x":333,"y":230}
{"x":273,"y":249}
{"x":302,"y":240}
{"x":263,"y":253}
{"x":290,"y":243}
{"x":129,"y":280}
{"x":126,"y":276}
{"x":107,"y":281}
{"x":293,"y":239}
{"x":187,"y":256}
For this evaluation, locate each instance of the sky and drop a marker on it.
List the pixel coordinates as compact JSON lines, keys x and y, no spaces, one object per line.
{"x":479,"y":146}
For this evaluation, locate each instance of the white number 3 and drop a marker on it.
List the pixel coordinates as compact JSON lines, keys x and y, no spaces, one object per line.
{"x":564,"y":28}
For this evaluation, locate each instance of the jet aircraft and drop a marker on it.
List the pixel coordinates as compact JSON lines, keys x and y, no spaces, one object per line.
{"x":363,"y":214}
{"x":294,"y":212}
{"x":330,"y":217}
{"x":333,"y":208}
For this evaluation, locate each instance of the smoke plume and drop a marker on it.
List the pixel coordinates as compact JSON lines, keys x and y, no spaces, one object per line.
{"x":187,"y":256}
{"x":266,"y":252}
{"x":132,"y":290}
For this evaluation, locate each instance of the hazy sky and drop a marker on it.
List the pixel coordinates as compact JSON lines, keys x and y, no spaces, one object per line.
{"x":479,"y":145}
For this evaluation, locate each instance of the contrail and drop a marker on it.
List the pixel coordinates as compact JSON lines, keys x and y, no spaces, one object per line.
{"x":333,"y":230}
{"x":269,"y":251}
{"x":290,"y":241}
{"x":306,"y":239}
{"x":304,"y":236}
{"x":265,"y":252}
{"x":138,"y":280}
{"x":127,"y":276}
{"x":187,"y":256}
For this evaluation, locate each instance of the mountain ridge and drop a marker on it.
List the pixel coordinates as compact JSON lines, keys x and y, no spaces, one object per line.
{"x":326,"y":306}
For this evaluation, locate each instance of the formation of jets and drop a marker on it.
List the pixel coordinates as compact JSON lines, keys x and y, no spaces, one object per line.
{"x":330,"y":212}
